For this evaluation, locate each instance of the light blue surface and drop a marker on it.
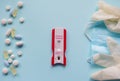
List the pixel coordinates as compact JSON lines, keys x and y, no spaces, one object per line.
{"x":41,"y":16}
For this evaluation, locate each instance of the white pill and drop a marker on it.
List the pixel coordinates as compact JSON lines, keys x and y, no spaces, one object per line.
{"x":12,"y":56}
{"x":21,"y":20}
{"x":10,"y":52}
{"x":19,"y":44}
{"x":10,"y":21}
{"x":5,"y":71}
{"x":4,"y":21}
{"x":8,"y":32}
{"x":20,"y":4}
{"x":8,"y":8}
{"x":19,"y":53}
{"x":15,"y":63}
{"x":10,"y":60}
{"x":7,"y":41}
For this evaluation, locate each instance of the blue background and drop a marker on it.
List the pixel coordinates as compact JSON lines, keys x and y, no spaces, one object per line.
{"x":40,"y":17}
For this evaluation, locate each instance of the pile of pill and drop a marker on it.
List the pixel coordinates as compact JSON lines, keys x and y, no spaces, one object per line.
{"x":13,"y":14}
{"x":11,"y":62}
{"x":10,"y":59}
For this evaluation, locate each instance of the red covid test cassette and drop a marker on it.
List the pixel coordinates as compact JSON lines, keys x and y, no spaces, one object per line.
{"x":58,"y":46}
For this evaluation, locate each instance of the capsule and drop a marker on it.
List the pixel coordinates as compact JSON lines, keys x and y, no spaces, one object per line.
{"x":8,"y":32}
{"x":5,"y":54}
{"x":6,"y":63}
{"x":13,"y":70}
{"x":13,"y":32}
{"x":18,"y":37}
{"x":14,"y":12}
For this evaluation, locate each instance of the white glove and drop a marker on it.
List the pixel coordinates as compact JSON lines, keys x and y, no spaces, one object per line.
{"x":110,"y":15}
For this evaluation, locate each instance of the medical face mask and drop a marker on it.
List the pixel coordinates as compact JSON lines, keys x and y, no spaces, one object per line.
{"x":97,"y":33}
{"x":108,"y":60}
{"x":109,"y":14}
{"x":105,"y":51}
{"x":103,"y":34}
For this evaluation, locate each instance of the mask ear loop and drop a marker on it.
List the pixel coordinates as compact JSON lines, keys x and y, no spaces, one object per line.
{"x":87,"y":36}
{"x":86,"y":33}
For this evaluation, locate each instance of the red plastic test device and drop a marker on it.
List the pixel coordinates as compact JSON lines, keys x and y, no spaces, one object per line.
{"x":58,"y":46}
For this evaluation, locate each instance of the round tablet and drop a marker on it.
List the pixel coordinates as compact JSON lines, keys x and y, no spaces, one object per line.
{"x":10,"y":21}
{"x":19,"y":44}
{"x":10,"y":52}
{"x":20,"y":4}
{"x":5,"y":71}
{"x":21,"y":20}
{"x":12,"y":56}
{"x":8,"y":8}
{"x":19,"y":53}
{"x":4,"y":21}
{"x":7,"y":41}
{"x":10,"y":60}
{"x":15,"y":63}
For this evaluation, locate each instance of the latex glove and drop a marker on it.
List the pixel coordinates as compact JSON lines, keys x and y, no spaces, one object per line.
{"x":110,"y":73}
{"x":110,"y":15}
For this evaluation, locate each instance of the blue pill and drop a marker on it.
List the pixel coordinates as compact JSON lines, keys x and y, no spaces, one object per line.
{"x":18,"y":37}
{"x":6,"y":63}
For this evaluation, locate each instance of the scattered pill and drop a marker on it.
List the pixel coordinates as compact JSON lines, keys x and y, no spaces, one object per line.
{"x":21,"y":20}
{"x":10,"y":60}
{"x":5,"y":71}
{"x":10,"y":52}
{"x":4,"y":21}
{"x":15,"y":63}
{"x":19,"y":53}
{"x":14,"y":12}
{"x":12,"y":56}
{"x":18,"y":37}
{"x":13,"y":70}
{"x":6,"y":63}
{"x":19,"y":44}
{"x":8,"y":8}
{"x":8,"y":32}
{"x":7,"y":41}
{"x":13,"y":33}
{"x":20,"y":4}
{"x":5,"y":54}
{"x":10,"y":21}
